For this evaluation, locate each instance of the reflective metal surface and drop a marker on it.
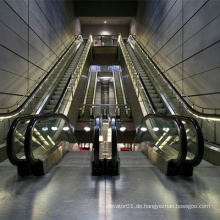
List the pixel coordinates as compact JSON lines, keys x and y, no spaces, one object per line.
{"x":70,"y":192}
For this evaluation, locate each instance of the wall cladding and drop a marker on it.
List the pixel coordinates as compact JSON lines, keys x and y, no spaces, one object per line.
{"x":184,"y":37}
{"x":33,"y":34}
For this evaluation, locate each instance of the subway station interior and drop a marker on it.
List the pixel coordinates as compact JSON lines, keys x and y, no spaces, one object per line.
{"x":109,"y":109}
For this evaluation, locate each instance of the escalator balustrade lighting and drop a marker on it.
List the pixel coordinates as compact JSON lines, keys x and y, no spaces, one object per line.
{"x":214,"y":148}
{"x":143,"y":129}
{"x":66,"y":128}
{"x":156,"y":129}
{"x":166,"y":129}
{"x":122,"y":128}
{"x":100,"y":138}
{"x":87,"y":128}
{"x":45,"y":129}
{"x":50,"y":139}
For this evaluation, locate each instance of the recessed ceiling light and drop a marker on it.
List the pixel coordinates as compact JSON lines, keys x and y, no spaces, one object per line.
{"x":105,"y":22}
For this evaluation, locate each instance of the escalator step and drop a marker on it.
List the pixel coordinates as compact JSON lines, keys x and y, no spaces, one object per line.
{"x":55,"y":97}
{"x":46,"y":111}
{"x":154,"y":96}
{"x":159,"y":105}
{"x":150,"y":87}
{"x":155,"y":100}
{"x":162,"y":110}
{"x":53,"y":102}
{"x":50,"y":107}
{"x":57,"y":92}
{"x":151,"y":91}
{"x":59,"y":88}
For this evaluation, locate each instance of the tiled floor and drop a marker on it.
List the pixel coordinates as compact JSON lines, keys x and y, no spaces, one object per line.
{"x":140,"y":192}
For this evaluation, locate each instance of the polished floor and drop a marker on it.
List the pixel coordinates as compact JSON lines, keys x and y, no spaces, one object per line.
{"x":140,"y":192}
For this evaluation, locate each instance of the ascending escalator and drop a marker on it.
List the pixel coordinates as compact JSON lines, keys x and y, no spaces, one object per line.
{"x":120,"y":99}
{"x":162,"y":142}
{"x":146,"y":81}
{"x":89,"y":98}
{"x":62,"y":81}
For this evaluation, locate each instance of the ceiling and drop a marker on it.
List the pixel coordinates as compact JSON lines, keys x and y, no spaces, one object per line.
{"x":105,"y":8}
{"x":105,"y":20}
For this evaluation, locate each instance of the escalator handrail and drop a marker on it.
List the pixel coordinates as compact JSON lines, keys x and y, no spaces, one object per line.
{"x":57,"y":106}
{"x":10,"y":147}
{"x":184,"y":102}
{"x":96,"y":141}
{"x":150,"y":101}
{"x":199,"y":138}
{"x":33,"y":93}
{"x":29,"y":134}
{"x":114,"y":141}
{"x":182,"y":135}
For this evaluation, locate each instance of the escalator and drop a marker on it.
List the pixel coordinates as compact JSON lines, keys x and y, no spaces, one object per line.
{"x":49,"y":137}
{"x":119,"y":95}
{"x":146,"y":81}
{"x":61,"y":83}
{"x":158,"y":139}
{"x":89,"y":97}
{"x":173,"y":143}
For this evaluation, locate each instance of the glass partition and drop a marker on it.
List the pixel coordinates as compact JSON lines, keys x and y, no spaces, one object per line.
{"x":160,"y":134}
{"x":51,"y":132}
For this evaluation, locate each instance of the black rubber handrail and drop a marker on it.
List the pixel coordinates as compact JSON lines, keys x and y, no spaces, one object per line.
{"x":179,"y":161}
{"x":114,"y":141}
{"x":25,"y":103}
{"x":10,"y":146}
{"x":199,"y":139}
{"x":96,"y":141}
{"x":29,"y":133}
{"x":184,"y":102}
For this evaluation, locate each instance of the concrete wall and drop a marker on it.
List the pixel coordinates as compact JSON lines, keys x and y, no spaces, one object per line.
{"x":105,"y":30}
{"x":184,"y":37}
{"x":33,"y":34}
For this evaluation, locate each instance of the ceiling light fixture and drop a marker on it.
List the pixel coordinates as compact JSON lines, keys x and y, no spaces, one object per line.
{"x":105,"y":22}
